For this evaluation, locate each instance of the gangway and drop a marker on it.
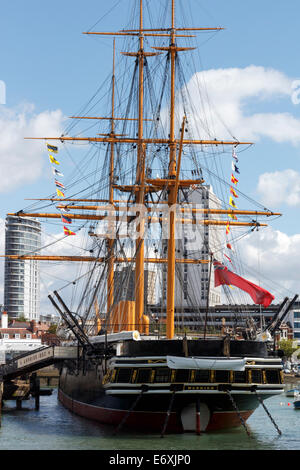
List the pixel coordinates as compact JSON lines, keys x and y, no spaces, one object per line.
{"x":35,"y":360}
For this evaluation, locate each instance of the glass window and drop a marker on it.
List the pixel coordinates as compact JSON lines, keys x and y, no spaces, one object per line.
{"x":202,"y":375}
{"x":124,"y":375}
{"x":222,"y":376}
{"x":256,"y":376}
{"x":182,"y":375}
{"x":240,"y":377}
{"x":143,"y":375}
{"x":272,"y":376}
{"x":162,"y":374}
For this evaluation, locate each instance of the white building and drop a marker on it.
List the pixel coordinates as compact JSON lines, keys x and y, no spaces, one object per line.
{"x":16,"y":339}
{"x":294,"y":318}
{"x":22,"y":281}
{"x":124,"y":285}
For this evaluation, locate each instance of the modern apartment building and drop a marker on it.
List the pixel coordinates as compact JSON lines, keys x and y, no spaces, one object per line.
{"x":124,"y":285}
{"x":295,"y":320}
{"x":21,"y":278}
{"x":196,"y":241}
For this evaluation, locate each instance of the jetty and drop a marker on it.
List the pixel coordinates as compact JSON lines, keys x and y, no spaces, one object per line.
{"x":20,"y":377}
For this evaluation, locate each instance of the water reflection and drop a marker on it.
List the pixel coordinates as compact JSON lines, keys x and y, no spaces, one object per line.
{"x":54,"y":427}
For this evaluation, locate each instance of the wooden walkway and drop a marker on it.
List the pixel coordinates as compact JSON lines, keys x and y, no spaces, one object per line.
{"x":35,"y":360}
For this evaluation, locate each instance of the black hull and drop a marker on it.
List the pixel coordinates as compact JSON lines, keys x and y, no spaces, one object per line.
{"x":86,"y":391}
{"x":215,"y":413}
{"x":197,"y":347}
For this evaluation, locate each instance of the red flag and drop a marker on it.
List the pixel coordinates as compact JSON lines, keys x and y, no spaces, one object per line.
{"x":68,"y":232}
{"x":233,"y":192}
{"x":258,"y":294}
{"x":65,"y":219}
{"x":59,"y":184}
{"x":234,"y":180}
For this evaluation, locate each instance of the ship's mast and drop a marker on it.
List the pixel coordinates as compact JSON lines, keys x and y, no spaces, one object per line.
{"x":173,"y":192}
{"x":110,"y":242}
{"x":142,"y":184}
{"x":140,"y":180}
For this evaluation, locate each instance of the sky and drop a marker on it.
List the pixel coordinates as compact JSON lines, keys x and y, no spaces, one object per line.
{"x":49,"y":69}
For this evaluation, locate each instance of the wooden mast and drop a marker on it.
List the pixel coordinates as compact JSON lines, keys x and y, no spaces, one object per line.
{"x":140,"y":181}
{"x":172,"y":198}
{"x":139,"y":189}
{"x":110,"y":241}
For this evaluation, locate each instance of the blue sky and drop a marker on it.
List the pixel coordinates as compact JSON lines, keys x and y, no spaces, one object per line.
{"x":47,"y":63}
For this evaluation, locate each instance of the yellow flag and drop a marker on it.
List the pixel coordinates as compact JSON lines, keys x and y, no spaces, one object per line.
{"x":231,"y":202}
{"x":60,"y":193}
{"x":52,"y":159}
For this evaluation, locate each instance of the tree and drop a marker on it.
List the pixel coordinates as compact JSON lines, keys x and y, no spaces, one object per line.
{"x":52,"y":329}
{"x":22,"y":318}
{"x":287,"y":347}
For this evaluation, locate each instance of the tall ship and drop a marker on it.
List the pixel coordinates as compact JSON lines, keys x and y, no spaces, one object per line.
{"x":154,"y":227}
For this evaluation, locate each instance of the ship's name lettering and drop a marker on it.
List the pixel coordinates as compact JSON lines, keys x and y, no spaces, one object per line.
{"x":200,"y":388}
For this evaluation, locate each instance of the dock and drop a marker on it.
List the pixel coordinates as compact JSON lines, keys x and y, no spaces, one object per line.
{"x":48,"y":376}
{"x":38,"y":359}
{"x":23,"y":376}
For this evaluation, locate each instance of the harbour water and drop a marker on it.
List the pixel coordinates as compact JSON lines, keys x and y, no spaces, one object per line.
{"x":55,"y":428}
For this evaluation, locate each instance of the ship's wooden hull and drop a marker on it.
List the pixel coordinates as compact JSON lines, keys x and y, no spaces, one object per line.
{"x":153,"y":420}
{"x":139,"y":391}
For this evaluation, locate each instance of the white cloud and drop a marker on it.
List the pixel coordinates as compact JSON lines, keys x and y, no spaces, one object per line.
{"x":280,"y":187}
{"x":273,"y":259}
{"x":230,"y":91}
{"x":21,"y":161}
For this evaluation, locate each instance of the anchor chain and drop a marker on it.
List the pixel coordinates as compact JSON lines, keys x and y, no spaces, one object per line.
{"x":267,"y":411}
{"x":168,"y":414}
{"x":238,"y":412}
{"x":121,"y":424}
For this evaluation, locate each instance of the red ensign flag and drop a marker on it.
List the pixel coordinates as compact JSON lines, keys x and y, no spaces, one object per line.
{"x":258,"y":294}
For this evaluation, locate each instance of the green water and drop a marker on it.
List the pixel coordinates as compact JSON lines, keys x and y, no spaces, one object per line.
{"x":55,"y":428}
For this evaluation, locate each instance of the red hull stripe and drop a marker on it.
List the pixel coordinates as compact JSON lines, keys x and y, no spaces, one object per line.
{"x":222,"y":420}
{"x":141,"y":420}
{"x":147,"y":420}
